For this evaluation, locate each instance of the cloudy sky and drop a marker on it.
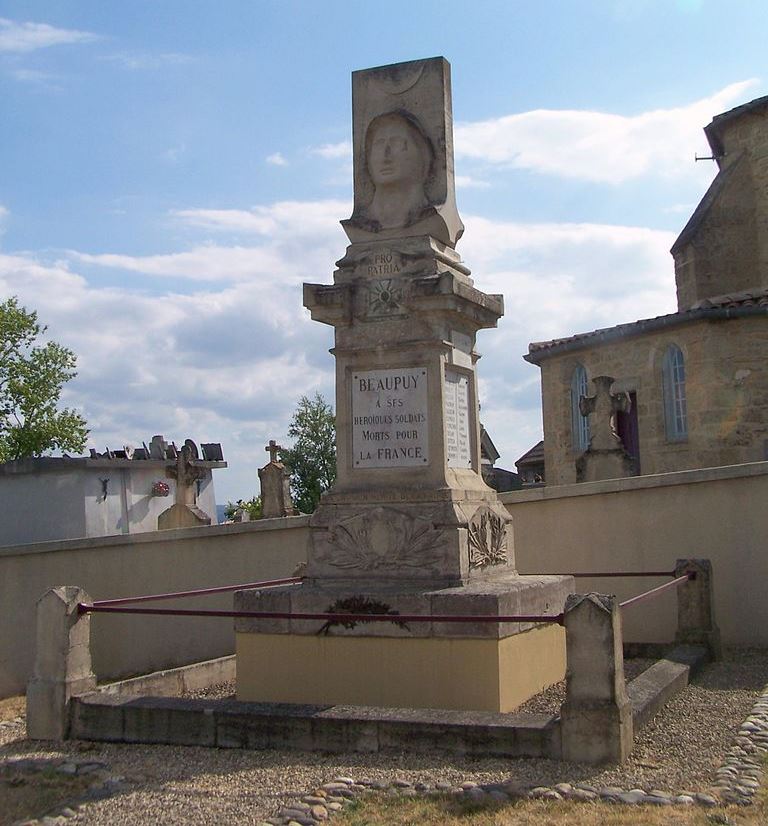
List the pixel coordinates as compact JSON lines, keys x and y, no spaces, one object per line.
{"x":171,"y":172}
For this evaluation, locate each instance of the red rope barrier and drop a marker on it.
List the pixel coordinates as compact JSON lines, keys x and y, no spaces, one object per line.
{"x":645,"y":595}
{"x":619,"y":574}
{"x":269,"y":583}
{"x":96,"y":608}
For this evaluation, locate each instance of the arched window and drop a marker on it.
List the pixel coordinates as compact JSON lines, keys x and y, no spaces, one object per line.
{"x":579,"y":423}
{"x":673,"y":386}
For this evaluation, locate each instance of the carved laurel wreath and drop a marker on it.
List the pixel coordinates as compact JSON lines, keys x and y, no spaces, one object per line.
{"x":487,"y":540}
{"x":411,"y":543}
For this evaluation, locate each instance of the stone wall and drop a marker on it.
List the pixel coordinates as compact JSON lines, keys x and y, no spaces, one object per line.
{"x":727,"y":395}
{"x":146,"y":563}
{"x":646,"y":523}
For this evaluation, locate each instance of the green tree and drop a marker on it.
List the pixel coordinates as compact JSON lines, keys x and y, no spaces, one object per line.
{"x":31,"y":378}
{"x":252,"y":505}
{"x":312,"y":459}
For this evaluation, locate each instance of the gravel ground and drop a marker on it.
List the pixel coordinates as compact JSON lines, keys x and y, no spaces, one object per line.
{"x":679,"y":750}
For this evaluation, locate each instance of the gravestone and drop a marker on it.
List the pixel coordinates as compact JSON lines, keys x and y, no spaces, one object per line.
{"x":605,"y":456}
{"x":274,"y":478}
{"x":184,"y":513}
{"x":409,"y":526}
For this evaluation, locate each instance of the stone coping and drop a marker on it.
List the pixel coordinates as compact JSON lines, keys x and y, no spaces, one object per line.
{"x":630,"y":483}
{"x":116,"y":713}
{"x":174,"y":681}
{"x":205,"y":532}
{"x":331,"y":728}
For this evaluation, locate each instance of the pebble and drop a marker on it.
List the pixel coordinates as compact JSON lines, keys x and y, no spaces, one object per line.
{"x":740,"y":775}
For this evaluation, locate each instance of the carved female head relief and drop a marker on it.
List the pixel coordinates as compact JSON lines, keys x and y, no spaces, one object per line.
{"x":398,"y":157}
{"x":403,"y":154}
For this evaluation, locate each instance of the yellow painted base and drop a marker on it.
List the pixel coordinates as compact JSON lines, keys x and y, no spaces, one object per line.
{"x":460,"y":674}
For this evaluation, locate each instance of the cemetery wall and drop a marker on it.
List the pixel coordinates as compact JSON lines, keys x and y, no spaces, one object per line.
{"x":646,"y":523}
{"x":147,"y":563}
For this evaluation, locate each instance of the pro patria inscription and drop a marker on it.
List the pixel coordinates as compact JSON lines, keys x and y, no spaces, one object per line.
{"x":389,"y":418}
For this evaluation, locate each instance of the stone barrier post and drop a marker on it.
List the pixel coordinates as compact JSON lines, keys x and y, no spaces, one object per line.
{"x":696,"y":608}
{"x":596,"y":717}
{"x":62,"y":662}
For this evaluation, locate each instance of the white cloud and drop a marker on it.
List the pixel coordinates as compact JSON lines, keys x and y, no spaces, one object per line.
{"x":467,"y":182}
{"x":175,"y":154}
{"x":276,"y":159}
{"x":277,"y":220}
{"x":299,"y":237}
{"x":228,"y":361}
{"x":36,"y":78}
{"x":225,"y":365}
{"x":139,"y":61}
{"x":27,"y":37}
{"x":597,"y":146}
{"x":334,"y":151}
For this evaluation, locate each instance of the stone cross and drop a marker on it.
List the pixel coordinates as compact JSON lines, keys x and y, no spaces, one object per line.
{"x":274,"y":448}
{"x":602,"y":408}
{"x":274,"y":478}
{"x":186,"y":475}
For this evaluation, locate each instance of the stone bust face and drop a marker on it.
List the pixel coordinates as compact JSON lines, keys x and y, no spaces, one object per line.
{"x":398,"y":158}
{"x":394,"y":154}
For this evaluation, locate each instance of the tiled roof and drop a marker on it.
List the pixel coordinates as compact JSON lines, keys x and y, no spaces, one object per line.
{"x":745,"y":298}
{"x":732,"y":305}
{"x":534,"y":455}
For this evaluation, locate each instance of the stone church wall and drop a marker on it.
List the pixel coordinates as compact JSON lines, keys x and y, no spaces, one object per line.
{"x":726,"y":388}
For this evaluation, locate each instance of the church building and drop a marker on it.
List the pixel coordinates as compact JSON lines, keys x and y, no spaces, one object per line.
{"x":697,"y":378}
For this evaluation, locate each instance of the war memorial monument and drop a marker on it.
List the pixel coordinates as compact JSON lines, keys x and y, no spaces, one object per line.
{"x":410,"y":527}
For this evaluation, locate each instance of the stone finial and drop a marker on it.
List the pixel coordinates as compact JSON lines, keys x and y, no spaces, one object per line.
{"x":596,"y":717}
{"x":62,"y":662}
{"x":403,"y":153}
{"x":696,"y":607}
{"x":274,"y":478}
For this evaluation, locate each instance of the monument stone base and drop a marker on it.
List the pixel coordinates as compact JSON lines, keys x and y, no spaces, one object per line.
{"x":594,"y":465}
{"x":462,"y":666}
{"x":182,"y":516}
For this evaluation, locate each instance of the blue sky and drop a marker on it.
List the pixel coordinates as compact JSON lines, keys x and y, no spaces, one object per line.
{"x":171,"y":172}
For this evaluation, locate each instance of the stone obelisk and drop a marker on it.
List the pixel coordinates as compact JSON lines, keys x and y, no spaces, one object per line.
{"x":410,"y":526}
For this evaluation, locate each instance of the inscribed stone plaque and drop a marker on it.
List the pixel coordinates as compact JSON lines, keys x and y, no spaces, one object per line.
{"x":458,"y":450}
{"x":389,"y":418}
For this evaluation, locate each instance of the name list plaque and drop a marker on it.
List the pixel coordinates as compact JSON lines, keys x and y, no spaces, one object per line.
{"x":389,"y":418}
{"x":458,"y":450}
